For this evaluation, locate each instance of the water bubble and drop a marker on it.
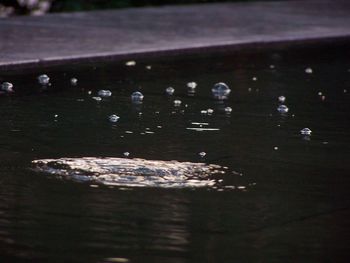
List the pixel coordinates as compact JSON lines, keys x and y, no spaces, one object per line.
{"x":126,"y":154}
{"x":130,"y":63}
{"x":272,"y":66}
{"x":228,"y":110}
{"x":308,"y":70}
{"x":204,"y":112}
{"x":43,"y":79}
{"x":319,"y":93}
{"x":7,"y":86}
{"x":305,"y":131}
{"x":191,"y":85}
{"x":137,"y":97}
{"x":323,"y":97}
{"x":104,"y":93}
{"x":113,"y":118}
{"x":210,"y":111}
{"x":249,"y":89}
{"x":345,"y":91}
{"x":220,"y":91}
{"x":74,"y":81}
{"x":281,"y":99}
{"x":149,"y":67}
{"x":170,"y":91}
{"x":202,"y":154}
{"x":97,"y":98}
{"x":275,"y":148}
{"x":56,"y":115}
{"x":254,"y":78}
{"x":282,"y":109}
{"x":177,"y":103}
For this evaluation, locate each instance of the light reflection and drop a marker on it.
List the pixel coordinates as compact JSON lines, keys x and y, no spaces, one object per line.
{"x":131,"y":172}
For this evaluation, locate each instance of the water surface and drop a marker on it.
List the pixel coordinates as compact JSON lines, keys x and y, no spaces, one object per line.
{"x":289,"y":198}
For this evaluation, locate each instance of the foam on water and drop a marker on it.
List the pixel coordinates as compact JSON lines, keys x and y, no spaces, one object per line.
{"x":131,"y":172}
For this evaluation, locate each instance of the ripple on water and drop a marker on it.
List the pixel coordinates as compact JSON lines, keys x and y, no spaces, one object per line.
{"x":132,"y":172}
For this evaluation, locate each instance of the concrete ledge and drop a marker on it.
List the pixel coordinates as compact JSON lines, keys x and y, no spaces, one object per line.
{"x":130,"y":33}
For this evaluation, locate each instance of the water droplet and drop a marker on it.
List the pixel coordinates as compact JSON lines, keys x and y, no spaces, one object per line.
{"x":89,"y":92}
{"x":104,"y":93}
{"x":43,"y":79}
{"x":275,"y":148}
{"x":305,"y":131}
{"x":282,"y":109}
{"x":202,"y":154}
{"x":319,"y":93}
{"x":345,"y":91}
{"x":126,"y":154}
{"x":137,"y":97}
{"x":170,"y":91}
{"x":272,"y":66}
{"x":55,"y":115}
{"x":74,"y":81}
{"x":204,"y":112}
{"x":308,"y":70}
{"x":220,"y":91}
{"x":228,"y":110}
{"x":210,"y":111}
{"x":323,"y":97}
{"x":7,"y":86}
{"x":249,"y":89}
{"x":281,"y":99}
{"x":149,"y":67}
{"x":177,"y":103}
{"x":130,"y":63}
{"x":254,"y":78}
{"x":97,"y":98}
{"x":113,"y":118}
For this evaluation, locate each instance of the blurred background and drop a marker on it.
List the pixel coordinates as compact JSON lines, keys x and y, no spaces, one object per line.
{"x":39,"y":7}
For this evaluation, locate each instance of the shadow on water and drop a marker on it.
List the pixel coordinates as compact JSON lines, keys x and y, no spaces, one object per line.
{"x":287,"y":196}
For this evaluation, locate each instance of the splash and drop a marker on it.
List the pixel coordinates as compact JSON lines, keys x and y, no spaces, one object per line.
{"x":131,"y":172}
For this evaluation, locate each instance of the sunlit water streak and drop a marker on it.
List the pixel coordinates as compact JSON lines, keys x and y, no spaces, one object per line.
{"x":132,"y":172}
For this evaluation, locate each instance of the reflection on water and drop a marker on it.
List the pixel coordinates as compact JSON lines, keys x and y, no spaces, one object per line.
{"x":132,"y":172}
{"x":289,"y":203}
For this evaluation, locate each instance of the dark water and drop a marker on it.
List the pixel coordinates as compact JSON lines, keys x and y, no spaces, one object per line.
{"x":293,"y":203}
